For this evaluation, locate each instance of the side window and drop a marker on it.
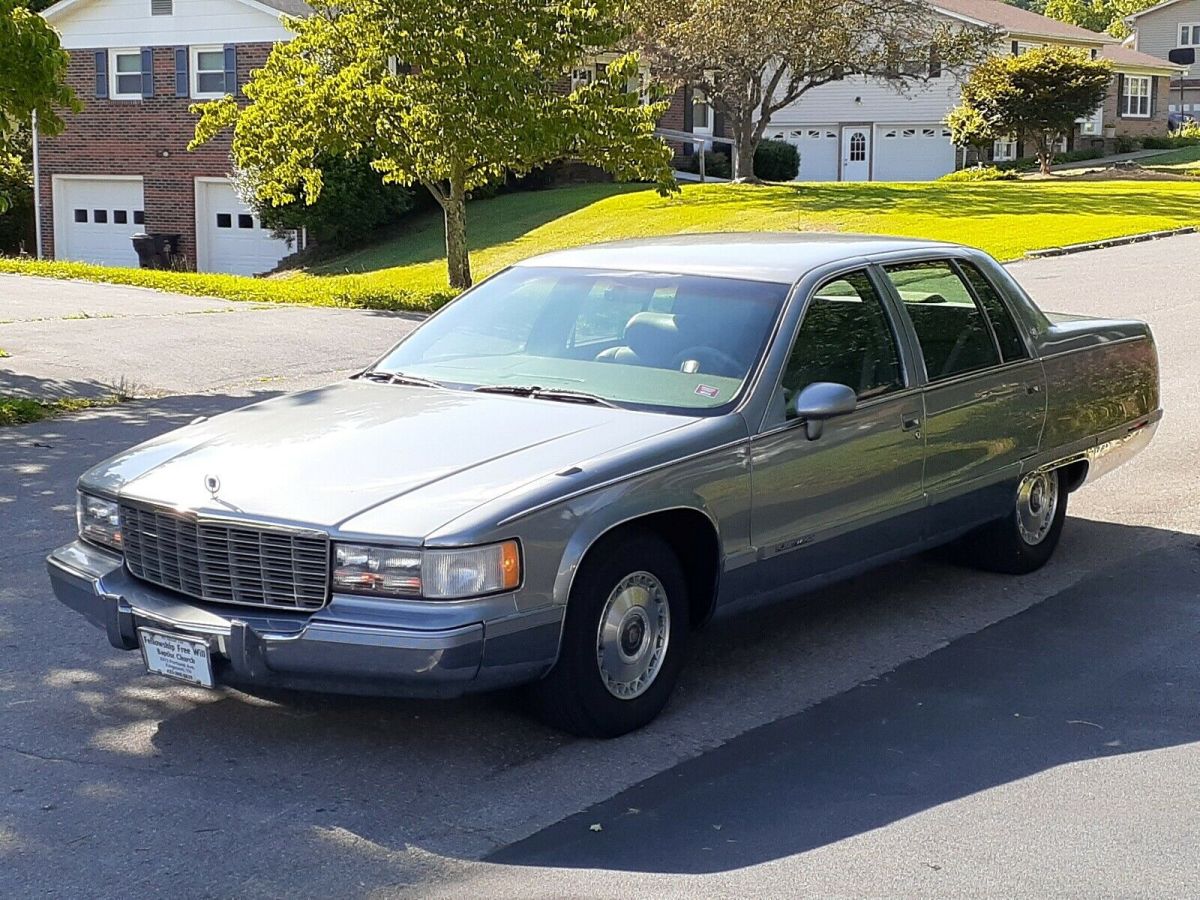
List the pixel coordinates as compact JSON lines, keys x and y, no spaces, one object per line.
{"x":845,"y":338}
{"x":952,"y":330}
{"x":1007,"y":334}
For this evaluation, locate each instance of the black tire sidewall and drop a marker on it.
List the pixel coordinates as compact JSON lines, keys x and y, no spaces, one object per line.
{"x":602,"y":713}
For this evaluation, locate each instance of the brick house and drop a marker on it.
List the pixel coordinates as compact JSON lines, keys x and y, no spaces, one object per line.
{"x":1167,"y":26}
{"x":121,"y":165}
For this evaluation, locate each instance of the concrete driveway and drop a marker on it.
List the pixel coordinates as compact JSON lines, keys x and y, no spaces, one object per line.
{"x":920,"y":730}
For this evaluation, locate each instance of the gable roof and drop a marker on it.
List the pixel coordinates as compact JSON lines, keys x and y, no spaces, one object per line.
{"x":288,"y":7}
{"x":1123,"y":58}
{"x":1017,"y":21}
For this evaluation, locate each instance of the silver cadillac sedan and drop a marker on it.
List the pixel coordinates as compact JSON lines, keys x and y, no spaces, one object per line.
{"x":562,"y":474}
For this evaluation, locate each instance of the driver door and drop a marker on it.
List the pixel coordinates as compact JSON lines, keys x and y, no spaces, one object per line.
{"x":855,"y":492}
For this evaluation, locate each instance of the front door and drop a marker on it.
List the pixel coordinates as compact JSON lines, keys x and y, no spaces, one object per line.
{"x":854,"y":492}
{"x":856,"y":153}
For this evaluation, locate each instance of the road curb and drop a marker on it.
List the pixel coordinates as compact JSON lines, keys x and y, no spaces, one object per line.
{"x":1111,"y":242}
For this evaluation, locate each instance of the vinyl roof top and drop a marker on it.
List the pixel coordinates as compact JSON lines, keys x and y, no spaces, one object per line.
{"x":756,"y":256}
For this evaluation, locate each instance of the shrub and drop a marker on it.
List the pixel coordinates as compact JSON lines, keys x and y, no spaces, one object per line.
{"x":1188,"y":136}
{"x":1126,"y":143}
{"x":354,"y":203}
{"x":776,"y":161}
{"x":16,"y":205}
{"x":716,"y":164}
{"x":981,"y":173}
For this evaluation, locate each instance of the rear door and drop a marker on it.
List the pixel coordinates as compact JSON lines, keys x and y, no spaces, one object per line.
{"x":984,"y":397}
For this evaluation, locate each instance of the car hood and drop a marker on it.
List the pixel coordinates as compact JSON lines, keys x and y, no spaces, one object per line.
{"x":325,"y":456}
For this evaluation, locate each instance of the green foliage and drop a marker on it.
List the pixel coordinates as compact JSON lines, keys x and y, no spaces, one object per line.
{"x":776,"y":161}
{"x":33,"y":73}
{"x":23,"y":410}
{"x":476,"y":96}
{"x":1028,"y":164}
{"x":353,"y":204}
{"x":981,"y":173}
{"x":716,"y":164}
{"x":1126,"y":143}
{"x":1097,"y":15}
{"x":1188,"y":136}
{"x":16,"y":212}
{"x":1035,"y":97}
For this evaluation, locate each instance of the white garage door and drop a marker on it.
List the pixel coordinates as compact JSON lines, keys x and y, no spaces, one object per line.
{"x":230,"y":238}
{"x":94,"y":219}
{"x":818,"y":149}
{"x":912,"y":152}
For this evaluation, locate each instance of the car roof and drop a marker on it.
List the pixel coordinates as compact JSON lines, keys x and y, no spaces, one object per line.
{"x":756,"y":256}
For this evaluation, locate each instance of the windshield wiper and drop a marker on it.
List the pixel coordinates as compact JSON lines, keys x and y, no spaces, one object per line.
{"x":540,"y":393}
{"x":399,"y":378}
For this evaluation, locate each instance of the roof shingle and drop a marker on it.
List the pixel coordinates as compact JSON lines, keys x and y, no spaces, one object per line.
{"x":1015,"y":20}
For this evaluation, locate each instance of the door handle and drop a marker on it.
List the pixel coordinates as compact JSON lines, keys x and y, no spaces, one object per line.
{"x":1033,"y":388}
{"x":910,"y":421}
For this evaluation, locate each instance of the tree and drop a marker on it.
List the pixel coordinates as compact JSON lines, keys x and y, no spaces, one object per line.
{"x":449,"y":94}
{"x":1097,"y":15}
{"x":32,"y":77}
{"x":751,"y":58}
{"x":1035,"y":97}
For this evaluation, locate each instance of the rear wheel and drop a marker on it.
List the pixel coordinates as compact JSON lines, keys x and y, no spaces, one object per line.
{"x":623,"y":640}
{"x":1025,"y":539}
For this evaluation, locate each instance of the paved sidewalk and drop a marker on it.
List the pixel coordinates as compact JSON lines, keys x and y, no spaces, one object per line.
{"x":76,"y":337}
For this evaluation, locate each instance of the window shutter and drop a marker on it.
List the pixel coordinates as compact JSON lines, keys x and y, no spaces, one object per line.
{"x":182,"y":88}
{"x":102,"y":74}
{"x":688,"y":112}
{"x":1016,"y":49}
{"x":147,"y":73}
{"x":231,"y":85}
{"x":1120,"y":95}
{"x":1153,"y":95}
{"x":718,"y":122}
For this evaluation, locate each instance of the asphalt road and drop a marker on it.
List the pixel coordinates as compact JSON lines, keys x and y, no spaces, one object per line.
{"x":921,"y":730}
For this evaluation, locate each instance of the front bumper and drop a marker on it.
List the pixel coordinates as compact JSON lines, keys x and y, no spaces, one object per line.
{"x":347,"y":647}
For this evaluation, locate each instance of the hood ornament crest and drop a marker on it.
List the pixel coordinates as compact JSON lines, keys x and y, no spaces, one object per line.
{"x":213,"y":485}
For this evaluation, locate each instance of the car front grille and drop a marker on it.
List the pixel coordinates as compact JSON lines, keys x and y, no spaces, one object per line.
{"x":226,"y":563}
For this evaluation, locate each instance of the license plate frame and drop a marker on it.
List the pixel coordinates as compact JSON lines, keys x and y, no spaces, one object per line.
{"x":176,"y":656}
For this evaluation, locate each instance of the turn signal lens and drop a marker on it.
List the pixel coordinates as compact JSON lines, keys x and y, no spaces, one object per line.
{"x":471,"y":572}
{"x":99,"y":520}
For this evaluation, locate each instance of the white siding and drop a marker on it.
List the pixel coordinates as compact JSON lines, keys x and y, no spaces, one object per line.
{"x":1158,"y":32}
{"x":128,"y":23}
{"x":860,"y":99}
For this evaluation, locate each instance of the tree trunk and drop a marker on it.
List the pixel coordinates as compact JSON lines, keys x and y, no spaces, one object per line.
{"x":745,"y":136}
{"x":458,"y":263}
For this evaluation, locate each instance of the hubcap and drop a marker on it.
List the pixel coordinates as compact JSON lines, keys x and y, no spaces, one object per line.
{"x":631,"y":640}
{"x":1037,"y":501}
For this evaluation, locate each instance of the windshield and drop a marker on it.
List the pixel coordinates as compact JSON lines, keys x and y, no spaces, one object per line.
{"x":640,"y":339}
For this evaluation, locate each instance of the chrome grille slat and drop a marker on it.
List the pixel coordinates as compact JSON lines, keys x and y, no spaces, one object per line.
{"x":225,"y":563}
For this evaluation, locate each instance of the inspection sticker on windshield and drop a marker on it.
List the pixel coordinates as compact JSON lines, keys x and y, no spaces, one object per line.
{"x":705,"y":390}
{"x":176,"y":657}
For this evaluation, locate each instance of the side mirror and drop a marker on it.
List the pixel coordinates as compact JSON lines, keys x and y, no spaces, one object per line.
{"x":822,"y":400}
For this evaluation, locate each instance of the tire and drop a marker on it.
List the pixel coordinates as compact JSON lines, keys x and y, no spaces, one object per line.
{"x":1025,"y":539}
{"x":635,"y":583}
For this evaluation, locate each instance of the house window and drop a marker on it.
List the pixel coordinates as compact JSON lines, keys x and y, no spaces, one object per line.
{"x":1135,"y":97}
{"x":208,"y":72}
{"x":1092,"y":125}
{"x":1020,"y":47}
{"x":1189,"y":35}
{"x":701,"y":113}
{"x":126,"y":68}
{"x":582,"y":77}
{"x":1004,"y":150}
{"x":858,"y":147}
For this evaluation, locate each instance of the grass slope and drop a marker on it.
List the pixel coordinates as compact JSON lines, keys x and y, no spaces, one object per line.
{"x":408,"y":271}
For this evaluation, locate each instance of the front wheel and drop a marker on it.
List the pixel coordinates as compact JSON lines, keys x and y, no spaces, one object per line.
{"x":1024,"y":540}
{"x":623,"y":640}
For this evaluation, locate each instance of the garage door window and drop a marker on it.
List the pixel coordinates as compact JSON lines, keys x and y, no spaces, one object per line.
{"x":245,"y":221}
{"x":224,"y":220}
{"x":127,"y":74}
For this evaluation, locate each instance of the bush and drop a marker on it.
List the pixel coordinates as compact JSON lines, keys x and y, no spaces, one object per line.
{"x":981,"y":173}
{"x":354,"y":203}
{"x":776,"y":161}
{"x":16,"y":205}
{"x":1188,"y":136}
{"x":716,"y":165}
{"x":1126,"y":143}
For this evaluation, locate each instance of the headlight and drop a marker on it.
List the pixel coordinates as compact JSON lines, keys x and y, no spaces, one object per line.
{"x":99,"y":520}
{"x":431,"y":574}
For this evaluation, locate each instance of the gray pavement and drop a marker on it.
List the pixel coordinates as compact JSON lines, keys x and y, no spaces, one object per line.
{"x":68,"y":337}
{"x":113,"y":783}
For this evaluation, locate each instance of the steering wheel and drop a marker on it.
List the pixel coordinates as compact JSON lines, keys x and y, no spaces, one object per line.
{"x":712,"y":361}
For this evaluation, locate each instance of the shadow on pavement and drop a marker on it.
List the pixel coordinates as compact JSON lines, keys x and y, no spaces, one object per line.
{"x":1104,"y":668}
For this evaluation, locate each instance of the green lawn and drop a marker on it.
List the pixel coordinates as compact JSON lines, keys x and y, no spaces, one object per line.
{"x":23,"y":410}
{"x":1183,"y":158}
{"x":408,"y":271}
